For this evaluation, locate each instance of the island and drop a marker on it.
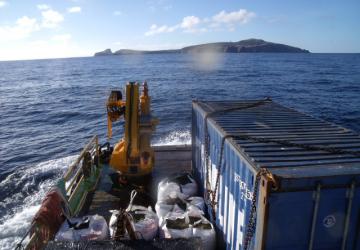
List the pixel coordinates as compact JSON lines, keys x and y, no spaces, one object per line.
{"x":106,"y":52}
{"x":243,"y":46}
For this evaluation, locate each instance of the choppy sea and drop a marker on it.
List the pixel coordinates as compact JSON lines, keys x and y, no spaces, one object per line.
{"x":49,"y":109}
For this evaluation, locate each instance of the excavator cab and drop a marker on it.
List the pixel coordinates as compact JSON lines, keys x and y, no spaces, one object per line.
{"x":132,"y":155}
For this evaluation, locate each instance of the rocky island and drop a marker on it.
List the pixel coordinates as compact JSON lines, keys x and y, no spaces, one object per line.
{"x":106,"y":52}
{"x":244,"y":46}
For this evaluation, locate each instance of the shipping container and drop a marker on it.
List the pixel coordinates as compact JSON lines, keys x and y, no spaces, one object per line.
{"x":276,"y":178}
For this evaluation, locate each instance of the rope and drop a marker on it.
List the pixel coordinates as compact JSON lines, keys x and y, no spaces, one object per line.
{"x":331,"y":150}
{"x":19,"y":245}
{"x":211,"y":195}
{"x":251,"y":225}
{"x":214,"y":201}
{"x":132,"y":197}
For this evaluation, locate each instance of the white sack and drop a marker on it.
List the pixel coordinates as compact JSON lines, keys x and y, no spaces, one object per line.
{"x":97,"y":230}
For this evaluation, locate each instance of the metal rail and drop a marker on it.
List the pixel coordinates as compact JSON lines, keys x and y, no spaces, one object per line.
{"x":315,"y":213}
{"x":78,"y":186}
{"x":75,"y":193}
{"x":74,"y":171}
{"x":74,"y":165}
{"x":348,"y":214}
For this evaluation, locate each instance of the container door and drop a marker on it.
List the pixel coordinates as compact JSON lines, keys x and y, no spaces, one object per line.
{"x":289,"y":220}
{"x":337,"y":224}
{"x":320,"y":219}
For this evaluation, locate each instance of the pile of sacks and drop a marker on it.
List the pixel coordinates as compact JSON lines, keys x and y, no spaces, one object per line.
{"x":92,"y":227}
{"x":181,"y":212}
{"x":142,"y":221}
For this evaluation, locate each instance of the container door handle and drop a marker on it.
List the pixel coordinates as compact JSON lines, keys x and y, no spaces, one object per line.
{"x":348,"y":214}
{"x":314,"y":219}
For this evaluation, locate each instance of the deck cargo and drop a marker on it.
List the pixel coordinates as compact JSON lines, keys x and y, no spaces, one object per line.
{"x":275,"y":178}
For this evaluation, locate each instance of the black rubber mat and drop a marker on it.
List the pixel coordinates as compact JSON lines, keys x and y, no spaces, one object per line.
{"x":172,"y":244}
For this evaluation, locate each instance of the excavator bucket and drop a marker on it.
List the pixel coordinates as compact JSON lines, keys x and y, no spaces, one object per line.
{"x":115,"y":109}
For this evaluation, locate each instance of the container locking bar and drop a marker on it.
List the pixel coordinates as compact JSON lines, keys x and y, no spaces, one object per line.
{"x":315,"y":213}
{"x":348,"y":214}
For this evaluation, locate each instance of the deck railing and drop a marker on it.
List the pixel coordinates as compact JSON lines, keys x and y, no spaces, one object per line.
{"x":75,"y":186}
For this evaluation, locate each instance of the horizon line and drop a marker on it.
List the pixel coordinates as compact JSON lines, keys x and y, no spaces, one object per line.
{"x":91,"y":56}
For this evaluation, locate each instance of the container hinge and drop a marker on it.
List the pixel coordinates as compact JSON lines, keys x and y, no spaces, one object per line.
{"x":212,"y":194}
{"x":251,"y":225}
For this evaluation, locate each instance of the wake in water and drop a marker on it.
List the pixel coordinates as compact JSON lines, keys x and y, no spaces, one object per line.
{"x":23,"y":191}
{"x":174,"y":138}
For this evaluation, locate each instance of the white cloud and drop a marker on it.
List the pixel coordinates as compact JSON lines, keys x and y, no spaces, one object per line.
{"x":241,"y":16}
{"x":64,"y":38}
{"x":26,"y":22}
{"x":189,"y":22}
{"x":195,"y":24}
{"x":2,"y":3}
{"x":75,"y":9}
{"x":18,"y":40}
{"x":159,"y":5}
{"x":51,"y":18}
{"x":23,"y":27}
{"x":117,"y":13}
{"x":43,"y":6}
{"x":49,"y":48}
{"x":154,"y":29}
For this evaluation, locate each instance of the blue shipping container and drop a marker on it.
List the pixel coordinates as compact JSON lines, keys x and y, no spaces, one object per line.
{"x":275,"y":178}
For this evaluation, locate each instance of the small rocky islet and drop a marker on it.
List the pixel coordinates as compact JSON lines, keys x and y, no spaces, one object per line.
{"x":243,"y":46}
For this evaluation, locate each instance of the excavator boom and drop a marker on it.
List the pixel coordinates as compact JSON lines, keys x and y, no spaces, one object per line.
{"x":132,"y":155}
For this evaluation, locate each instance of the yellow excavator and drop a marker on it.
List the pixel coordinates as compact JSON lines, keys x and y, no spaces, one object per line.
{"x":133,"y":155}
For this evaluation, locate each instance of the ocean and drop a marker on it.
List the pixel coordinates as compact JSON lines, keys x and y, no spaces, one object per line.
{"x":49,"y":109}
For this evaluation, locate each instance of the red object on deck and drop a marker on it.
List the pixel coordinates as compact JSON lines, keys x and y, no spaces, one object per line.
{"x":50,"y":214}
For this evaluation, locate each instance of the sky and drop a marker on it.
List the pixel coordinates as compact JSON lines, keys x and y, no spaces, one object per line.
{"x":35,"y":29}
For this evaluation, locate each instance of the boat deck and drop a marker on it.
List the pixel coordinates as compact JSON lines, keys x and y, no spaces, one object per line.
{"x":193,"y":243}
{"x":107,"y":196}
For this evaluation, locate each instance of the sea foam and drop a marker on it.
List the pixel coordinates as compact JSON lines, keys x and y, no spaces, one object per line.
{"x":18,"y":209}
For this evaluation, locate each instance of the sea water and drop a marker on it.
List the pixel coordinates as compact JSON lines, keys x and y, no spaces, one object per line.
{"x":49,"y":109}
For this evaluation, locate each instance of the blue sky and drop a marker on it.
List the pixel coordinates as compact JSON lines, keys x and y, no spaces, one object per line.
{"x":48,"y":29}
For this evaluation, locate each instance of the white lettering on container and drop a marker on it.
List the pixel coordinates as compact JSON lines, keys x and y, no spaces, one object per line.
{"x":246,"y":194}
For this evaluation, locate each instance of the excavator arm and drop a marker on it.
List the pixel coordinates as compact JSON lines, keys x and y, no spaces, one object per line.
{"x":133,"y":154}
